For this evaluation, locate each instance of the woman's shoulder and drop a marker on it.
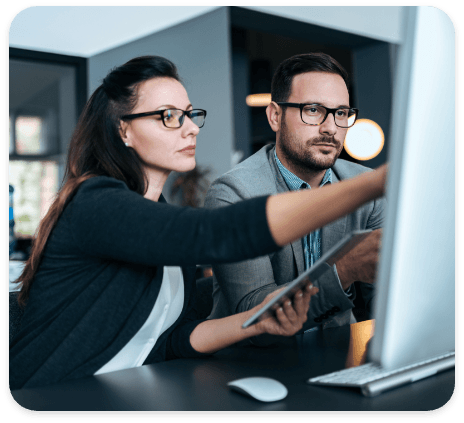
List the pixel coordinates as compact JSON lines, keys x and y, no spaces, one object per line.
{"x":99,"y":189}
{"x":101,"y":182}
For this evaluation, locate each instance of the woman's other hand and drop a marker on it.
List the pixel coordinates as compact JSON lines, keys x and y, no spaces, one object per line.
{"x":290,"y":317}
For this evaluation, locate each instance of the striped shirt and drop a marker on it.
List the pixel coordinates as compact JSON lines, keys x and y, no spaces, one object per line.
{"x":311,"y":242}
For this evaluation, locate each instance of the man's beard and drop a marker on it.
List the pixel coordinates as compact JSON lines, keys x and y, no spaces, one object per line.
{"x":301,"y":156}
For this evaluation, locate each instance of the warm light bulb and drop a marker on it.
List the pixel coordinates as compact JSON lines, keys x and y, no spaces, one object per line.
{"x":258,"y":100}
{"x":364,"y":140}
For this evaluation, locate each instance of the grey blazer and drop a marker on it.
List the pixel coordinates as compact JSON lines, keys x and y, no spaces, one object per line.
{"x":240,"y":286}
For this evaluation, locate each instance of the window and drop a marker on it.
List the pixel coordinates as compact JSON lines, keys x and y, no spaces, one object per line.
{"x":35,"y":181}
{"x":45,"y":93}
{"x":30,"y":135}
{"x":32,"y":171}
{"x":35,"y":185}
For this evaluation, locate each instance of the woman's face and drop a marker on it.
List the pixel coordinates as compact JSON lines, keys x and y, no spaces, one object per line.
{"x":161,"y":149}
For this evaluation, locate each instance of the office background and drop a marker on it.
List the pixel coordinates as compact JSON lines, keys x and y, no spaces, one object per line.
{"x":59,"y":55}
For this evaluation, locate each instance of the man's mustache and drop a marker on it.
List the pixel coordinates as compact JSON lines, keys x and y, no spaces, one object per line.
{"x":324,"y":140}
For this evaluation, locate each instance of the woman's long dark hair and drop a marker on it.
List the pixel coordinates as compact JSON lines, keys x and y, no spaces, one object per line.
{"x":96,"y":147}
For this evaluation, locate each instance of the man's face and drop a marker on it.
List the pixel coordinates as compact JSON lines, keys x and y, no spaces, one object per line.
{"x":313,"y":147}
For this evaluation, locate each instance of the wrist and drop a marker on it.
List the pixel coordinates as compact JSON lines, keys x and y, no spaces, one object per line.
{"x":345,"y":284}
{"x":255,"y":329}
{"x":343,"y":275}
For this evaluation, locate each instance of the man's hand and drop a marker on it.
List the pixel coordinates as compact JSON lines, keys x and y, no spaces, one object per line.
{"x":360,"y":264}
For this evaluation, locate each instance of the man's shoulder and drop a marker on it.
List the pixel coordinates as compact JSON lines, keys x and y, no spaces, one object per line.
{"x":254,"y":173}
{"x":253,"y":163}
{"x":345,"y":169}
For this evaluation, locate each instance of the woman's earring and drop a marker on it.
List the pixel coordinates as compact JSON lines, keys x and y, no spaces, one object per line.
{"x":127,"y":144}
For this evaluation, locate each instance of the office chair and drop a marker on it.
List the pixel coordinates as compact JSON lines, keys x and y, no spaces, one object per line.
{"x":363,"y":301}
{"x":204,"y":297}
{"x":16,"y":313}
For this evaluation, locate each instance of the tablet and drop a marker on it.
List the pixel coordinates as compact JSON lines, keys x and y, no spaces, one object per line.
{"x":314,"y":272}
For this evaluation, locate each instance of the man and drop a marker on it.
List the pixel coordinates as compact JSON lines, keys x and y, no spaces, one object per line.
{"x":310,"y":114}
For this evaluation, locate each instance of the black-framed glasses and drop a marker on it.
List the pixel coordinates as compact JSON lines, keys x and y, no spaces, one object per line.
{"x":315,"y":114}
{"x":173,"y":118}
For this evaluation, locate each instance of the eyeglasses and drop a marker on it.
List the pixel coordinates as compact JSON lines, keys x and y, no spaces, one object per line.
{"x":173,"y":118}
{"x":315,"y":114}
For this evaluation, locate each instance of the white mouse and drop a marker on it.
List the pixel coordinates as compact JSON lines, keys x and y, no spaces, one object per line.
{"x":260,"y":388}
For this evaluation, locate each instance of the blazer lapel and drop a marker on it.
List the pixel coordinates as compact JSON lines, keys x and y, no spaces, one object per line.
{"x":281,"y":186}
{"x":298,"y":254}
{"x":334,"y":231}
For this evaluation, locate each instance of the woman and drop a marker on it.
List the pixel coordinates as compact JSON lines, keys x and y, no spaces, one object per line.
{"x":103,"y":285}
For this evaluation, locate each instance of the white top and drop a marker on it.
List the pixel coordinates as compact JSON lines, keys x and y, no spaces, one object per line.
{"x":16,"y":268}
{"x":165,"y":312}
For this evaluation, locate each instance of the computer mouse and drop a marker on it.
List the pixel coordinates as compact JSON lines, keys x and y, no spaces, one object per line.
{"x":260,"y":388}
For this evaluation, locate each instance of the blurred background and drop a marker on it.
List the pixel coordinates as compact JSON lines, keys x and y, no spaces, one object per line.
{"x":225,"y":56}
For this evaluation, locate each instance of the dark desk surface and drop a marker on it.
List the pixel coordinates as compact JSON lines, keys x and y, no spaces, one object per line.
{"x":201,"y":384}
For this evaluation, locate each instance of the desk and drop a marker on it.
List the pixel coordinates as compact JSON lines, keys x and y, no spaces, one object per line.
{"x":200,"y":384}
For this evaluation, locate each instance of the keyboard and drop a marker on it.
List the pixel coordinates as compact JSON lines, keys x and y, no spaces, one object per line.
{"x":373,"y":379}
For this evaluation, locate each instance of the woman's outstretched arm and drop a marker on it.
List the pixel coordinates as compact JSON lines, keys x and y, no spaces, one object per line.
{"x":295,"y":214}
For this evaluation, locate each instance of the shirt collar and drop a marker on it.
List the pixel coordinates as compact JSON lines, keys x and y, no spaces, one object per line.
{"x":293,"y":182}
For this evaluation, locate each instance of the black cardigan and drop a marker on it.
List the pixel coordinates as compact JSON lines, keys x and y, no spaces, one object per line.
{"x":101,"y":273}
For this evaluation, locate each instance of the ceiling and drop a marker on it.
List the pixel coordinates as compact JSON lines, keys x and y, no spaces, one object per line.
{"x":85,"y":31}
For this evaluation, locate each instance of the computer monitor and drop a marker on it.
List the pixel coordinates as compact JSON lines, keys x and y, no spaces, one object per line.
{"x":414,"y":306}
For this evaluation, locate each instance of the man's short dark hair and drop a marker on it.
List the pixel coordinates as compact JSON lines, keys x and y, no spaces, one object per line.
{"x":281,"y":85}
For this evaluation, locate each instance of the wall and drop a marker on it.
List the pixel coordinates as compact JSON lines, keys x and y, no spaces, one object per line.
{"x":202,"y":55}
{"x":241,"y":88}
{"x":373,"y":90}
{"x":68,"y":115}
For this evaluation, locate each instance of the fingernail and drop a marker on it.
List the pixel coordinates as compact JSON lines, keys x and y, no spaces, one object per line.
{"x":289,"y":303}
{"x":299,"y":295}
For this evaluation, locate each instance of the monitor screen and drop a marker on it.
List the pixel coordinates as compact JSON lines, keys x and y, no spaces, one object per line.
{"x":414,"y":305}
